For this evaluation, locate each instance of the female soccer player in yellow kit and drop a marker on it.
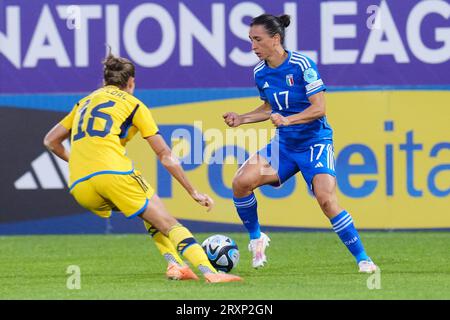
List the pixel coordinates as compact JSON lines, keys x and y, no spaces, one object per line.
{"x":102,"y":178}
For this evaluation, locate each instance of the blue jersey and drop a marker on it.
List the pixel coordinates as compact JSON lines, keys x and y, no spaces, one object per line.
{"x":287,"y":89}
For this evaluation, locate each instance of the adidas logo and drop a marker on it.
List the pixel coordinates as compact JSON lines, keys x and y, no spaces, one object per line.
{"x":319,"y":165}
{"x":45,"y":173}
{"x":266,"y":85}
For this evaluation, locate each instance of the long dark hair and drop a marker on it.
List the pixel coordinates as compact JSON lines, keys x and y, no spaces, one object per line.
{"x":117,"y":70}
{"x":273,"y":25}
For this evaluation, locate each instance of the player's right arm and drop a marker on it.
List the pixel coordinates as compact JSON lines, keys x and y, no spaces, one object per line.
{"x":53,"y":140}
{"x":262,"y":113}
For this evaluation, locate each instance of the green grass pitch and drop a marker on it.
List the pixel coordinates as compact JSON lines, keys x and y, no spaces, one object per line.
{"x":302,"y":265}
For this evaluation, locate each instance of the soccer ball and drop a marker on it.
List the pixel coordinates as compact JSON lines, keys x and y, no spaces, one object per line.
{"x":222,"y":252}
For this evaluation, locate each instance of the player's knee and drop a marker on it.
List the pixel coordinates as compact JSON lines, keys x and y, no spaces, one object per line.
{"x":326,"y":201}
{"x":166,"y":224}
{"x":242,"y":183}
{"x":162,"y":222}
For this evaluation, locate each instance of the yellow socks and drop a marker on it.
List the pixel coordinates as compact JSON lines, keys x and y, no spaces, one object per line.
{"x":164,"y":245}
{"x":188,"y":247}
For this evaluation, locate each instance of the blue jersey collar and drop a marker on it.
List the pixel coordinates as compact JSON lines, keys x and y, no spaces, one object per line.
{"x":285,"y":62}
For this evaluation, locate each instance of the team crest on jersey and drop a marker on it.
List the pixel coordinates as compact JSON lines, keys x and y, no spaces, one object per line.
{"x":290,"y":80}
{"x":310,"y":75}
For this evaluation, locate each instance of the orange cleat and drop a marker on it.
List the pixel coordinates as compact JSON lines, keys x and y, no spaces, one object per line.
{"x":221,"y":277}
{"x":176,"y":272}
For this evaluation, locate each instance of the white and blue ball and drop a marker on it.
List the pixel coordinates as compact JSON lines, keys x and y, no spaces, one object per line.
{"x":222,"y":252}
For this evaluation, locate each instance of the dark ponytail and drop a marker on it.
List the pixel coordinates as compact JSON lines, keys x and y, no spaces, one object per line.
{"x":117,"y":70}
{"x":273,"y":25}
{"x":285,"y":20}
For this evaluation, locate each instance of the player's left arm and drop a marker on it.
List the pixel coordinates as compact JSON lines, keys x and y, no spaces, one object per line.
{"x":315,"y":111}
{"x":315,"y":91}
{"x":144,"y":121}
{"x":172,"y":164}
{"x":53,"y":141}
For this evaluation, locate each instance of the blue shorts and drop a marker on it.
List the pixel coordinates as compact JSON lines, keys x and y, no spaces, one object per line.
{"x":318,"y":158}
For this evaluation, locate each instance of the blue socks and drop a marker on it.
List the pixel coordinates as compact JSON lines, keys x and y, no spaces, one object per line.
{"x":247,"y":210}
{"x":343,"y":226}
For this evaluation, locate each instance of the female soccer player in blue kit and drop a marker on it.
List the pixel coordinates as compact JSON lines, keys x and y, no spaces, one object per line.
{"x":293,"y":99}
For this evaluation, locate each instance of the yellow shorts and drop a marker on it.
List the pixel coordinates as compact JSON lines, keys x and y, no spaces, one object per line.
{"x":128,"y":193}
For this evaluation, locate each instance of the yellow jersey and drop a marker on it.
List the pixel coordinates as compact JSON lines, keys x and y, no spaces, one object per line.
{"x":100,"y":126}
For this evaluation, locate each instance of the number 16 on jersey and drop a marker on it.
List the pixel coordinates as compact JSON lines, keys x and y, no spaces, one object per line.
{"x":95,"y":113}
